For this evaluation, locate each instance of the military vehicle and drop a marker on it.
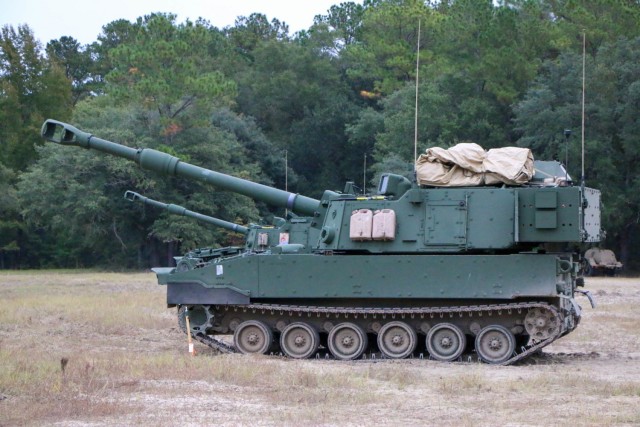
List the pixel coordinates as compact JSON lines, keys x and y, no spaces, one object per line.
{"x":258,"y":237}
{"x":132,"y":196}
{"x":201,"y":256}
{"x":600,"y":261}
{"x":487,"y":271}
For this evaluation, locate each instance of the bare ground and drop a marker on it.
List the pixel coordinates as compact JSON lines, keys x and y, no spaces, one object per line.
{"x":98,"y":349}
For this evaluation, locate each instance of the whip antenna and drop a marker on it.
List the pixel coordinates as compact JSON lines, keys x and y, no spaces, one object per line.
{"x":364,"y":175}
{"x":584,"y":198}
{"x":415,"y":121}
{"x":584,"y":50}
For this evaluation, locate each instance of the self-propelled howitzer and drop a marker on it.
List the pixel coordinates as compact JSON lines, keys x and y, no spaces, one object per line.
{"x":292,"y":235}
{"x":195,"y":258}
{"x":409,"y":269}
{"x":132,"y":196}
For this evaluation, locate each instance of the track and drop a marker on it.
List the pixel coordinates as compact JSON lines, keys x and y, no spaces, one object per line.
{"x":393,"y":313}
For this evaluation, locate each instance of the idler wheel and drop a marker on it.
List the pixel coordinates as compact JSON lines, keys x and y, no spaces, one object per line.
{"x":299,"y":340}
{"x":198,"y":318}
{"x":446,"y":342}
{"x":495,"y":344}
{"x":541,"y":324}
{"x":397,"y":340}
{"x":253,"y":337}
{"x":347,"y":341}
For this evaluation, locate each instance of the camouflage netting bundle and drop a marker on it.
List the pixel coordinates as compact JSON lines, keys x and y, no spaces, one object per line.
{"x":468,"y":164}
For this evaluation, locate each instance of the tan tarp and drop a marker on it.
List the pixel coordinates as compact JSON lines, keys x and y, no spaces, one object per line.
{"x":468,"y":164}
{"x":602,"y":258}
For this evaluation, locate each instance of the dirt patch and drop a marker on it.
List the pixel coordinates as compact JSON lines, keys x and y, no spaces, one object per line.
{"x":101,"y":349}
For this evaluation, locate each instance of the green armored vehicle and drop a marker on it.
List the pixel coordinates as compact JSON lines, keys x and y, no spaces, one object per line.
{"x":259,"y":238}
{"x":198,"y":257}
{"x":467,"y":269}
{"x":132,"y":196}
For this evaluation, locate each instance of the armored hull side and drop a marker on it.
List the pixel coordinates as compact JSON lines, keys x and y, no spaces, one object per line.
{"x":270,"y":277}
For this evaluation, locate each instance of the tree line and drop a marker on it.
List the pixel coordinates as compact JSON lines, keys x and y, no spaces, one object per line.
{"x":335,"y":100}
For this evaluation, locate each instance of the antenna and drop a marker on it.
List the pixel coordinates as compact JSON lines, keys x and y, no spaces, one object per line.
{"x":364,"y":175}
{"x":584,"y":198}
{"x":286,"y":177}
{"x":415,"y":121}
{"x":567,"y":134}
{"x":584,"y":50}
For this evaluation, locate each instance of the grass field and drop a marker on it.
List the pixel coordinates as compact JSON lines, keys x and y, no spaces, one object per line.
{"x":86,"y":348}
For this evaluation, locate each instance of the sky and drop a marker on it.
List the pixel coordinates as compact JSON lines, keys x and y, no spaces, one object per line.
{"x":83,"y":19}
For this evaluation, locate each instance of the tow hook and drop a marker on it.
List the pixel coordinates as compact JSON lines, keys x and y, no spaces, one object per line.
{"x":589,"y":296}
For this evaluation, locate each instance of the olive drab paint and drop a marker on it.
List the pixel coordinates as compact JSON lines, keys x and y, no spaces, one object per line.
{"x":494,"y":264}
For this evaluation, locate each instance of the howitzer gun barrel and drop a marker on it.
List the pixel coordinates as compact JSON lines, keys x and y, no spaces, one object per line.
{"x":179,"y":210}
{"x":147,"y":158}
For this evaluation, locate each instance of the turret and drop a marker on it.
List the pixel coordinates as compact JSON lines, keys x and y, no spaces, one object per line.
{"x":147,"y":158}
{"x":179,"y":210}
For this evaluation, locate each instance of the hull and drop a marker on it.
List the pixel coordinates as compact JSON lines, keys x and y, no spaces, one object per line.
{"x":498,"y":308}
{"x":383,"y":279}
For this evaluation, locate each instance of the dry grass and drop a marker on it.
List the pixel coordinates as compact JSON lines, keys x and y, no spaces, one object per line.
{"x":127,"y":365}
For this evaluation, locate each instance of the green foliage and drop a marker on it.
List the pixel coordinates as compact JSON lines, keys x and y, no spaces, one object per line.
{"x":77,"y":64}
{"x":551,"y":105}
{"x":339,"y":28}
{"x":166,"y":69}
{"x":11,"y":228}
{"x":240,"y":99}
{"x":476,"y":59}
{"x":297,"y":97}
{"x":613,"y":152}
{"x":497,"y":50}
{"x":601,"y":21}
{"x":31,"y":89}
{"x":448,"y":113}
{"x":250,"y":32}
{"x":256,"y":149}
{"x":75,"y":196}
{"x":345,"y":20}
{"x":83,"y":208}
{"x":113,"y":35}
{"x":384,"y":59}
